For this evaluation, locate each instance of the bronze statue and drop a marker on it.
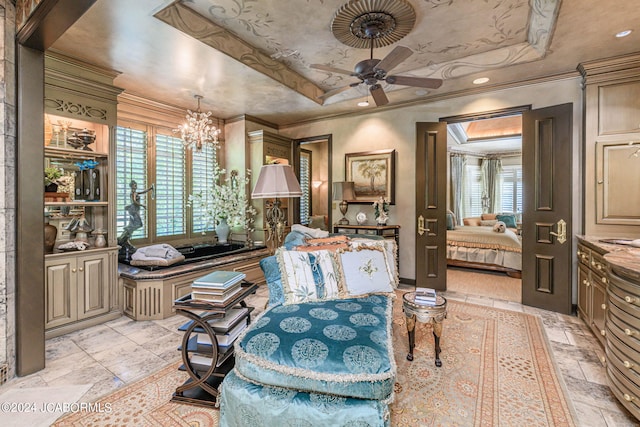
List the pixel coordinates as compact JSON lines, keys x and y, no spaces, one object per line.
{"x":134,"y":221}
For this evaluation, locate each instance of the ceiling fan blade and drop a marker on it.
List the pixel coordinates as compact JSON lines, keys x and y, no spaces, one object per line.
{"x":378,"y":95}
{"x":332,"y":92}
{"x":414,"y":81}
{"x":331,"y":69}
{"x":393,"y":59}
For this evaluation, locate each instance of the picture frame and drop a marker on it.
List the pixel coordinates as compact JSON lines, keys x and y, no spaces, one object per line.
{"x":373,"y":174}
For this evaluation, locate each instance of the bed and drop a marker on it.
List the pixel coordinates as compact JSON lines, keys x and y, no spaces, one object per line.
{"x":481,"y":247}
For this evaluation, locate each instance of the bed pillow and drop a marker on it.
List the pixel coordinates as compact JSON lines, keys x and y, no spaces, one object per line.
{"x":508,"y":219}
{"x":308,"y":276}
{"x":488,"y":222}
{"x":472,"y":221}
{"x":365,"y":271}
{"x":488,"y":216}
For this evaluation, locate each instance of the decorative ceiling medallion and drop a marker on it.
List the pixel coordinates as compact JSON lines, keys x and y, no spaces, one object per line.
{"x":384,"y":21}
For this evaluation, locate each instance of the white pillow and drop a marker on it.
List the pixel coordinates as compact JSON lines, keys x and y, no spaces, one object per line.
{"x":391,"y":249}
{"x":366,"y":271}
{"x":308,"y":276}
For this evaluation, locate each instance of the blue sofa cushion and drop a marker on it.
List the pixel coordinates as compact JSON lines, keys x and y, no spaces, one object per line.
{"x":244,"y":404}
{"x":340,"y":347}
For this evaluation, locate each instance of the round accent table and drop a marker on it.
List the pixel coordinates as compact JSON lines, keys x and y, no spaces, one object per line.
{"x":433,"y":314}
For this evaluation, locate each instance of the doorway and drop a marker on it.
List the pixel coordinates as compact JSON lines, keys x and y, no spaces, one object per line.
{"x":312,"y":162}
{"x":485,"y":185}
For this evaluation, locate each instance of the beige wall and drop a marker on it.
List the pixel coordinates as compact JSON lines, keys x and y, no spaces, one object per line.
{"x":396,"y":128}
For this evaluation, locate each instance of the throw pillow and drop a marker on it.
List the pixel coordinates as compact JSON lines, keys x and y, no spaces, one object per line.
{"x":391,"y":249}
{"x":327,"y":240}
{"x":488,"y":222}
{"x":499,"y":227}
{"x":488,"y":216}
{"x":508,"y":219}
{"x":308,"y":276}
{"x":365,"y":271}
{"x":473,"y":221}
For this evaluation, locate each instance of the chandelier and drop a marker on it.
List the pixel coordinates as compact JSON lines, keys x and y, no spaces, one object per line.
{"x":198,"y":129}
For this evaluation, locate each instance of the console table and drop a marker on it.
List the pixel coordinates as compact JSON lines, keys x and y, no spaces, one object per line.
{"x":205,"y":377}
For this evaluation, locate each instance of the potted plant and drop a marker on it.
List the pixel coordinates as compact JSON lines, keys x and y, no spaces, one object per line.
{"x":51,"y":176}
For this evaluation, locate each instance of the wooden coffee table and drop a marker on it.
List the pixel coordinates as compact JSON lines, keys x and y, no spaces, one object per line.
{"x":433,"y":314}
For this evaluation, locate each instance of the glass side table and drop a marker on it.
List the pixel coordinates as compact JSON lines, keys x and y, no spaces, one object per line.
{"x":424,"y":313}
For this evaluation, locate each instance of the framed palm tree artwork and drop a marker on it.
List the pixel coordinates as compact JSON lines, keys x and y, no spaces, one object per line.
{"x":373,"y":174}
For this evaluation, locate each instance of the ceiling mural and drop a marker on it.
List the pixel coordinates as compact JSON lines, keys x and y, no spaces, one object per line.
{"x":515,"y":31}
{"x":256,"y":56}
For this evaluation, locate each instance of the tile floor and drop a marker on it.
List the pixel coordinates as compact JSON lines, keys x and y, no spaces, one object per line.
{"x":116,"y":353}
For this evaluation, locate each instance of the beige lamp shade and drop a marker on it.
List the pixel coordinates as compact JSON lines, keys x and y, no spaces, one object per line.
{"x":343,"y":190}
{"x":276,"y":181}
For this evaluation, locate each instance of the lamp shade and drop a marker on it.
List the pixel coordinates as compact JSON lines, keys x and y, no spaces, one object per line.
{"x":343,"y":191}
{"x":276,"y":181}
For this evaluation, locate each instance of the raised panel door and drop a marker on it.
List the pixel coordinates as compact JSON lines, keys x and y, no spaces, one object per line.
{"x":93,"y":289}
{"x":60,"y":292}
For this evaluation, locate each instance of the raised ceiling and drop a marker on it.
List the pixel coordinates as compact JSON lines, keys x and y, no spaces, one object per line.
{"x":252,"y":56}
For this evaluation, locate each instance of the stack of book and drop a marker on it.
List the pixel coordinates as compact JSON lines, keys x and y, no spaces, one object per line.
{"x":425,"y":296}
{"x":218,"y":287}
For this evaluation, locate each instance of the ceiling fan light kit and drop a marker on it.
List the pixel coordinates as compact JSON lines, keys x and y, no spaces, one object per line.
{"x":370,"y":24}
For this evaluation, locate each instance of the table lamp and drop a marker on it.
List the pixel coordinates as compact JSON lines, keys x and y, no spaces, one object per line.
{"x":276,"y":181}
{"x":343,"y":191}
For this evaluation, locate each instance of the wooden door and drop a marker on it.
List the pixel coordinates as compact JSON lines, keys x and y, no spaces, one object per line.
{"x":431,"y":201}
{"x":546,"y":223}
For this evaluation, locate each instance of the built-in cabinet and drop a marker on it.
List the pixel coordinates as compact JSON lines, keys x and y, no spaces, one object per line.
{"x":81,"y":286}
{"x":592,"y":287}
{"x":612,"y":146}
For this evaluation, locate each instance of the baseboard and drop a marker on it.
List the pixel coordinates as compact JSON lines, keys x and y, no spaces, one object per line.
{"x":404,"y":281}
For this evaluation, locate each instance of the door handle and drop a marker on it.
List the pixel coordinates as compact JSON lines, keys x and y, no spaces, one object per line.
{"x":561,"y":235}
{"x":421,"y":228}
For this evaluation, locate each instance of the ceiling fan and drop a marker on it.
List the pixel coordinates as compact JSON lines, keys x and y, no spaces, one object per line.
{"x":372,"y":71}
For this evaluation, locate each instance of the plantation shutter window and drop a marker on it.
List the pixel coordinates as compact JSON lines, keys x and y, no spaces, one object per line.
{"x":171,"y":197}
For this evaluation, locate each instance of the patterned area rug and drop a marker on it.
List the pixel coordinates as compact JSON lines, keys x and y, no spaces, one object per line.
{"x":497,"y":371}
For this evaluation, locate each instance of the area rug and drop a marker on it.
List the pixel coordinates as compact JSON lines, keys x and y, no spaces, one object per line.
{"x":497,"y":370}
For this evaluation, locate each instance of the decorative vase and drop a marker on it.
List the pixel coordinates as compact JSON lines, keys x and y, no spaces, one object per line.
{"x":222,"y":231}
{"x":382,"y":221}
{"x":50,"y":234}
{"x":100,"y":241}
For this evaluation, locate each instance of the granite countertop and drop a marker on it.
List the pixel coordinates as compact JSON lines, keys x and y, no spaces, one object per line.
{"x":623,"y":259}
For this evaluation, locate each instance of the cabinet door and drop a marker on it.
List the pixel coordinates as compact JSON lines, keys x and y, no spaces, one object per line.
{"x":93,"y":285}
{"x":60,"y":292}
{"x":599,"y":308}
{"x":584,"y":294}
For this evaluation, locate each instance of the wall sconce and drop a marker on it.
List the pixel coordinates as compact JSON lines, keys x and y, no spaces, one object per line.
{"x":343,"y":191}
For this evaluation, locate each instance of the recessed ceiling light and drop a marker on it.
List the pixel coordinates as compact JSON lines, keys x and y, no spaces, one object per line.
{"x":481,"y":80}
{"x":363,"y":104}
{"x":624,"y":33}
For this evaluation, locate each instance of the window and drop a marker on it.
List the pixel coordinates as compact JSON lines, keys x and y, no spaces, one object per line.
{"x":171,"y":197}
{"x":153,"y":155}
{"x":472,"y":199}
{"x":511,"y":188}
{"x":131,"y":165}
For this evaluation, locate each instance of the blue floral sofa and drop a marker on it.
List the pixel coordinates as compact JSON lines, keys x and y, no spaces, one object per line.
{"x":321,"y":353}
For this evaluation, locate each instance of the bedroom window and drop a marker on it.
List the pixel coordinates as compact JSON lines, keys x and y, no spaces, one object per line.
{"x":472,"y":198}
{"x":511,"y":188}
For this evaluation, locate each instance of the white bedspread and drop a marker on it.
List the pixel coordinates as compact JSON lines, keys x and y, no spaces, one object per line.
{"x":483,"y":245}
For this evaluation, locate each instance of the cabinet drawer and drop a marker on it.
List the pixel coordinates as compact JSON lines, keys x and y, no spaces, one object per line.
{"x":625,"y":390}
{"x":626,"y":291}
{"x":598,"y":263}
{"x":584,"y":255}
{"x":623,"y":327}
{"x":624,"y":357}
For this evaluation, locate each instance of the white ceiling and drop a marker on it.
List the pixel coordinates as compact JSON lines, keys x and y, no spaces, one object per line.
{"x":270,"y":44}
